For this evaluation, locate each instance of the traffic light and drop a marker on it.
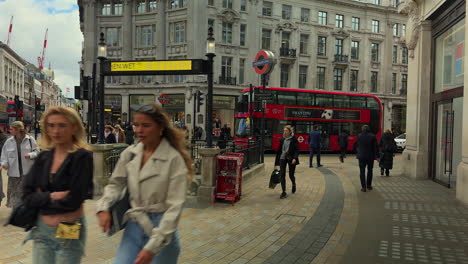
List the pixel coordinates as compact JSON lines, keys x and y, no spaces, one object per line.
{"x":85,"y":87}
{"x":38,"y":104}
{"x":17,"y":100}
{"x":200,"y":100}
{"x":77,"y":92}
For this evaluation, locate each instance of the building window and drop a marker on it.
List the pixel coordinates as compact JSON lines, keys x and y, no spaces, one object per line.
{"x":302,"y":76}
{"x":106,"y":9}
{"x":173,"y":4}
{"x":322,"y":18}
{"x":153,"y":5}
{"x":241,"y":70}
{"x":404,"y":56}
{"x":267,"y":9}
{"x":395,"y":29}
{"x":243,"y":29}
{"x":375,"y":26}
{"x":404,"y":83}
{"x":285,"y":40}
{"x":112,"y":37}
{"x":284,"y":75}
{"x":286,"y":13}
{"x":322,"y":46}
{"x":339,"y":21}
{"x":395,"y":54}
{"x":376,"y":2}
{"x":118,"y":8}
{"x":211,"y":2}
{"x":266,"y":39}
{"x":211,"y":24}
{"x":305,"y":14}
{"x":403,"y":30}
{"x":338,"y":47}
{"x":355,"y":50}
{"x":304,"y":43}
{"x":338,"y":79}
{"x":355,"y":23}
{"x":321,"y":78}
{"x":226,"y":66}
{"x":394,"y":76}
{"x":227,"y":4}
{"x":179,"y":32}
{"x":396,"y":3}
{"x":147,"y":35}
{"x":141,"y":6}
{"x":353,"y":80}
{"x":227,"y":33}
{"x":243,"y":5}
{"x":375,"y":52}
{"x":374,"y":76}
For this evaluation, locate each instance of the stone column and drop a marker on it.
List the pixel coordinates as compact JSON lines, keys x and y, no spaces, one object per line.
{"x":416,"y":156}
{"x":206,"y":189}
{"x":101,"y":172}
{"x":462,"y":170}
{"x":127,"y":36}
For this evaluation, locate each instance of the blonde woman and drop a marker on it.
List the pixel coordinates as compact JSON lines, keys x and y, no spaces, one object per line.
{"x":119,"y":134}
{"x":59,"y":182}
{"x":155,"y":176}
{"x":17,"y":157}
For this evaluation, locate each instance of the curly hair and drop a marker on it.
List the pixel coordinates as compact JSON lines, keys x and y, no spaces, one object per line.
{"x":175,"y":136}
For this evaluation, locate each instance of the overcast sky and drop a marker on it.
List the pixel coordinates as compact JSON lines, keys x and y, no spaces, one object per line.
{"x":31,"y":19}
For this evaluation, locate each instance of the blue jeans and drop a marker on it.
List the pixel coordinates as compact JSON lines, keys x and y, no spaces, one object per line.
{"x":134,"y":240}
{"x":49,"y":250}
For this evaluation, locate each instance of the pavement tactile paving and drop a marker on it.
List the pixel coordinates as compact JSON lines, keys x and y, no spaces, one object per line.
{"x":328,"y":220}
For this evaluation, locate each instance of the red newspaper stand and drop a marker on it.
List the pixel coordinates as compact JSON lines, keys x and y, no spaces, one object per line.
{"x":229,"y":177}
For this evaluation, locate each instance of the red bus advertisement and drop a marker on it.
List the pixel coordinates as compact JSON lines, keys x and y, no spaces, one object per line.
{"x":333,"y":112}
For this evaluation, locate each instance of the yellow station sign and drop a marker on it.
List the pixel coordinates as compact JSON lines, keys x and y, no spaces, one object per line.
{"x":130,"y":66}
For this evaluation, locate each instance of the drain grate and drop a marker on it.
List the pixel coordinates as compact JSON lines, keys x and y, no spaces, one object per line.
{"x":290,"y":218}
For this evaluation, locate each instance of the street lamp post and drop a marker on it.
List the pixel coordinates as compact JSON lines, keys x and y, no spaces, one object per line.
{"x":210,"y":53}
{"x":102,"y":54}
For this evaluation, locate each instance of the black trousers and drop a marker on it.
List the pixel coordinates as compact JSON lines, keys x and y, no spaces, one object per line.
{"x":387,"y":171}
{"x":292,"y":169}
{"x":362,"y":167}
{"x":343,"y":153}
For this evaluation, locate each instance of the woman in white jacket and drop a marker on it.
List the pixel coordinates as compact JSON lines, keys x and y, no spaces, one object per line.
{"x":17,"y":157}
{"x":156,"y":172}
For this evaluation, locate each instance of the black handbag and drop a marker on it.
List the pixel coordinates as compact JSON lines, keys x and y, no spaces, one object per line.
{"x":23,"y":216}
{"x":274,"y":178}
{"x":117,"y":211}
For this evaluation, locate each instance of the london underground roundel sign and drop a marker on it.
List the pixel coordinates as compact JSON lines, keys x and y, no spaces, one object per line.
{"x":264,"y":62}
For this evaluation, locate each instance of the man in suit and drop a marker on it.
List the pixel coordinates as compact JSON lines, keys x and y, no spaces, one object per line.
{"x":315,"y":145}
{"x":367,"y":152}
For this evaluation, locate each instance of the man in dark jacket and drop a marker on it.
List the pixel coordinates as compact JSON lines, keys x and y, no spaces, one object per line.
{"x":343,"y":142}
{"x":367,"y":151}
{"x":315,"y":145}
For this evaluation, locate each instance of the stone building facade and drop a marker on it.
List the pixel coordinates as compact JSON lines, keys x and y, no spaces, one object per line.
{"x":435,"y":146}
{"x":11,"y":73}
{"x":343,"y":45}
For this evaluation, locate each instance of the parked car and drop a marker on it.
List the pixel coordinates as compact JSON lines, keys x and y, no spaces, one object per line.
{"x":401,"y":142}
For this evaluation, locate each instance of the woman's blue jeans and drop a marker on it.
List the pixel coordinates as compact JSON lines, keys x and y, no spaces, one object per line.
{"x":50,"y":250}
{"x":134,"y":240}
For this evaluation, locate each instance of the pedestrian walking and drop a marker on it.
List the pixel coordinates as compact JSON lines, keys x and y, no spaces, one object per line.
{"x":129,"y":135}
{"x":287,"y":156}
{"x":3,"y":138}
{"x":343,"y":142}
{"x":119,"y":134}
{"x":315,"y":143}
{"x":59,"y":182}
{"x":17,"y":157}
{"x":388,"y":148}
{"x":154,"y":174}
{"x":109,"y":136}
{"x":367,"y":151}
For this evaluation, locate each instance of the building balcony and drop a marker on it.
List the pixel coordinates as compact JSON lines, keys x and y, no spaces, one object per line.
{"x":341,"y":61}
{"x":287,"y":52}
{"x":227,"y":80}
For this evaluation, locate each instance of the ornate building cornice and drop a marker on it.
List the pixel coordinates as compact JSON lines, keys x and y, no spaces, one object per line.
{"x":413,"y":27}
{"x":285,"y":26}
{"x":229,"y":16}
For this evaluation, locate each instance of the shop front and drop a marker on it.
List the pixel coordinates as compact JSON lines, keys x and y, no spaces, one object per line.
{"x":447,"y":98}
{"x":112,"y":109}
{"x":223,"y":113}
{"x":175,"y":108}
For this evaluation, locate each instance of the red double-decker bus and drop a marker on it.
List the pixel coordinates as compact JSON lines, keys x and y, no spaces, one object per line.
{"x":333,"y":112}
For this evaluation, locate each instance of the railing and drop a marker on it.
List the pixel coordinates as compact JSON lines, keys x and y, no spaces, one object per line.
{"x":287,"y":52}
{"x":227,"y":80}
{"x":341,"y":58}
{"x":112,"y":157}
{"x":250,"y":149}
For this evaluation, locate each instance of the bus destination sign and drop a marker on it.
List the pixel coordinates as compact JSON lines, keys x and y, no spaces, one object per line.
{"x":320,"y":113}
